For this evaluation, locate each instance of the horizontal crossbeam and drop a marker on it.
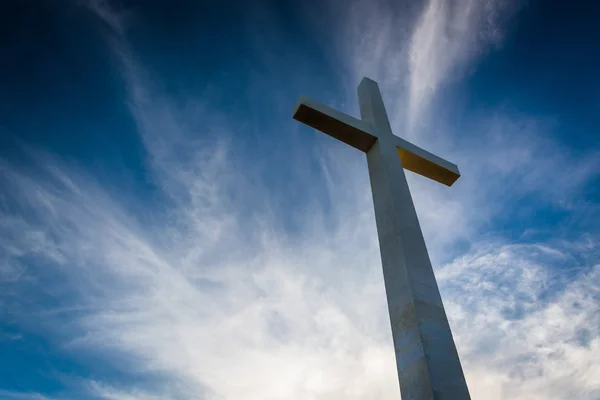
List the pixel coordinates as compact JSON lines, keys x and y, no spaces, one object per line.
{"x":362,"y":135}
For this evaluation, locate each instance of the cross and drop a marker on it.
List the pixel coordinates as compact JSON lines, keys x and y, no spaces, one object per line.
{"x":426,"y":358}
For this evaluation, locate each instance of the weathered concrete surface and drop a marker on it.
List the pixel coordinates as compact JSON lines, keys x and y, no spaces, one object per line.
{"x":427,"y":361}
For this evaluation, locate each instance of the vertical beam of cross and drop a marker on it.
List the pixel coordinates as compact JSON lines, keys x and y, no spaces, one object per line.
{"x":427,"y":361}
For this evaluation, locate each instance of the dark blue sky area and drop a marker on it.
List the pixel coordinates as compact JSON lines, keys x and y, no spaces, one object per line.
{"x":547,"y":66}
{"x":63,"y":91}
{"x":59,"y":74}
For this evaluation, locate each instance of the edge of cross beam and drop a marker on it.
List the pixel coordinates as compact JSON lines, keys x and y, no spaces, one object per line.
{"x":352,"y":131}
{"x":424,"y":163}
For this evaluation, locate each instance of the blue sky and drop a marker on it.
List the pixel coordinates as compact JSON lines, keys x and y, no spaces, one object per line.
{"x":168,"y":231}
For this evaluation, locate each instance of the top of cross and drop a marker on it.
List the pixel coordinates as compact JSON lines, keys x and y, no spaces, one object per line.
{"x":374,"y":124}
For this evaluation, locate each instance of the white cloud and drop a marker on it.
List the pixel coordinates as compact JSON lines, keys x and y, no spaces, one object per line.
{"x":448,"y":35}
{"x":279,"y":322}
{"x":526,"y":322}
{"x":305,"y":319}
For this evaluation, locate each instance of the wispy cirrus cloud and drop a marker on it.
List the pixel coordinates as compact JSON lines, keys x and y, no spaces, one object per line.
{"x":533,"y":326}
{"x":449,"y":35}
{"x":413,"y":48}
{"x":297,"y":319}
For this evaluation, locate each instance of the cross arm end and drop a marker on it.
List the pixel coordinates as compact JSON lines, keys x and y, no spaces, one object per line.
{"x":424,"y":163}
{"x":338,"y":125}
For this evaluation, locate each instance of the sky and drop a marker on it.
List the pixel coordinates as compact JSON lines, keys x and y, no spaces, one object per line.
{"x":168,"y":231}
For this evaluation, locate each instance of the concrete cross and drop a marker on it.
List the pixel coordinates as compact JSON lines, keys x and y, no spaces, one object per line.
{"x":426,"y":357}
